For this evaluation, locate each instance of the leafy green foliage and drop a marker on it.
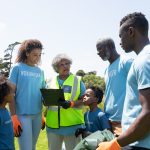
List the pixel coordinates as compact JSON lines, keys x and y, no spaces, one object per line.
{"x":93,"y":80}
{"x":6,"y":62}
{"x":80,"y":73}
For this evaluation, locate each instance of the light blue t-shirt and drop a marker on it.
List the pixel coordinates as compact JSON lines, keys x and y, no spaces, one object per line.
{"x":115,"y":79}
{"x":28,"y":80}
{"x":6,"y":131}
{"x":96,"y":120}
{"x":138,"y":78}
{"x":71,"y":129}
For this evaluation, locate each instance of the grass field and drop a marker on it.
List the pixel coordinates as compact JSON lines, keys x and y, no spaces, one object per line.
{"x":42,"y":143}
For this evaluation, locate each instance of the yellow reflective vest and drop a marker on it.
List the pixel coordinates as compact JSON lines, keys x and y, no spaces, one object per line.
{"x":59,"y":117}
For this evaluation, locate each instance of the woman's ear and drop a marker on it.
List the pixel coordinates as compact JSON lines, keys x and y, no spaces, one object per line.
{"x":27,"y":54}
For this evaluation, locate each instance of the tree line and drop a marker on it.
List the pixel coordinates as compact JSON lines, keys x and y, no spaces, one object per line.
{"x":89,"y":78}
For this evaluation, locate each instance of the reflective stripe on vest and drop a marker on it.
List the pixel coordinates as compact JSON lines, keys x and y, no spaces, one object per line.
{"x":75,"y":85}
{"x":70,"y":116}
{"x":55,"y":108}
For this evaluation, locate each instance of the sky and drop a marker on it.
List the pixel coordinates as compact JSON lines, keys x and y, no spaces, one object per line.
{"x":66,"y":26}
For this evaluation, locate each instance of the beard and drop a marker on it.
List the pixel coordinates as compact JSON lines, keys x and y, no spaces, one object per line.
{"x":106,"y":57}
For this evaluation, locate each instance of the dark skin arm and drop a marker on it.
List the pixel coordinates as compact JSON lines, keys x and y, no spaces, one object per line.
{"x":141,"y":126}
{"x":12,"y":104}
{"x":12,"y":107}
{"x":79,"y":102}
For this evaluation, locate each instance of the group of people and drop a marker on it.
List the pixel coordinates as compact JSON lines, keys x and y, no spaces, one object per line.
{"x":126,"y":101}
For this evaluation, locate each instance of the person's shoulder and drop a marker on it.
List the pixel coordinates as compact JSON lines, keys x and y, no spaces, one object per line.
{"x":145,"y":52}
{"x":143,"y":57}
{"x":142,"y":62}
{"x":17,"y":65}
{"x":100,"y":112}
{"x":40,"y":68}
{"x":127,"y":58}
{"x":126,"y":62}
{"x":147,"y":48}
{"x":87,"y":112}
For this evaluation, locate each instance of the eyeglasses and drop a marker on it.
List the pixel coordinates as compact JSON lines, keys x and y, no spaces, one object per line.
{"x":64,"y":64}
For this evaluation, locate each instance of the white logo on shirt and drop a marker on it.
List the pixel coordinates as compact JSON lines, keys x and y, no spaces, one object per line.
{"x":8,"y":121}
{"x":31,"y":74}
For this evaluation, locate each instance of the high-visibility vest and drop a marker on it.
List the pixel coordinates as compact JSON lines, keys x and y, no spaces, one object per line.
{"x":59,"y":117}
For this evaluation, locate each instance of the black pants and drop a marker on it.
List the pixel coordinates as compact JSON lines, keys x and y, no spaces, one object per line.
{"x":134,"y":148}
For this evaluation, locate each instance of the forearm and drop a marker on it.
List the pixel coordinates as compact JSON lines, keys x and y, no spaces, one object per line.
{"x":137,"y":130}
{"x":12,"y":107}
{"x":78,"y":103}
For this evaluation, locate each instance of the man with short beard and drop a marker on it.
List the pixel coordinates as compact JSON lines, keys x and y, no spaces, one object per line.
{"x":115,"y":80}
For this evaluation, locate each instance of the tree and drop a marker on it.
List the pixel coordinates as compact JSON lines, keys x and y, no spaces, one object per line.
{"x":91,"y":79}
{"x":6,"y":62}
{"x":80,"y":73}
{"x":92,"y":72}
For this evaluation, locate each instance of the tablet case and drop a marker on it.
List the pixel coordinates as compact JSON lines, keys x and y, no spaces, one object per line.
{"x":51,"y":97}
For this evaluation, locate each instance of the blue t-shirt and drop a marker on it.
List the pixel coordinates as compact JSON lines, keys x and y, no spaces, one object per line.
{"x":6,"y":131}
{"x":115,"y":80}
{"x":96,"y":120}
{"x":28,"y":80}
{"x":138,"y":78}
{"x":71,"y":129}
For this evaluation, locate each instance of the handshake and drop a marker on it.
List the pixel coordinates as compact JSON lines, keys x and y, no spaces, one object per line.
{"x":66,"y":104}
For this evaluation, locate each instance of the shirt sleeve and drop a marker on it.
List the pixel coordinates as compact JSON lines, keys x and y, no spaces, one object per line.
{"x":142,"y":72}
{"x":13,"y":76}
{"x":103,"y":120}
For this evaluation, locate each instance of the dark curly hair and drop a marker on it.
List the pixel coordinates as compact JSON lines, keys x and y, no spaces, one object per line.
{"x":136,"y":20}
{"x":4,"y":90}
{"x":26,"y":47}
{"x":98,"y":92}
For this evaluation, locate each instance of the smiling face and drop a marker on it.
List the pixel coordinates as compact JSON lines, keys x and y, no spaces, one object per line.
{"x":63,"y":67}
{"x":33,"y":57}
{"x":89,"y":97}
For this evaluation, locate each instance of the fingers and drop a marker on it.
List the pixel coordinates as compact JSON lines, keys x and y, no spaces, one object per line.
{"x":18,"y":131}
{"x":77,"y":133}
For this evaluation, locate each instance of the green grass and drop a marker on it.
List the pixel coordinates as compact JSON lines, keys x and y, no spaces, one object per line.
{"x":42,"y":143}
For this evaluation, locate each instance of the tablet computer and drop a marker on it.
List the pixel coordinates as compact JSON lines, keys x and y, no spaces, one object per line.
{"x":52,"y":96}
